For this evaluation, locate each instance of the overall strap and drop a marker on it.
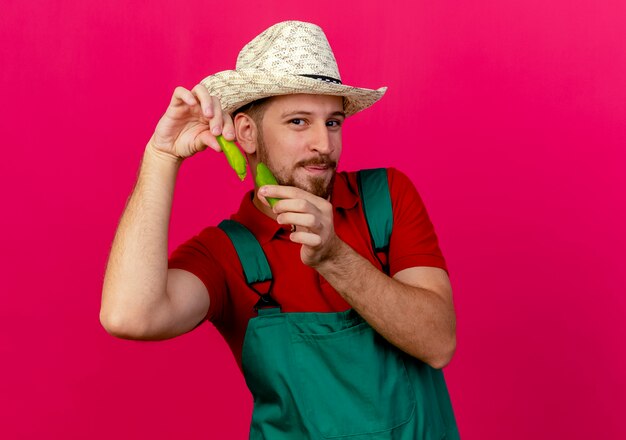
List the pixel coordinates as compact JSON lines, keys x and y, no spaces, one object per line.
{"x":376,"y":201}
{"x":256,"y":269}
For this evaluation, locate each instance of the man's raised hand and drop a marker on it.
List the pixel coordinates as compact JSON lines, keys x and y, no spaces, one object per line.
{"x":190,"y":124}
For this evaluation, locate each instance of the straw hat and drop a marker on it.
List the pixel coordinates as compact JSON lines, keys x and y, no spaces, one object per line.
{"x":287,"y":58}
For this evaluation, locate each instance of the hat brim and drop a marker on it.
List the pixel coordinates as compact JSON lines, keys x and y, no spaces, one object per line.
{"x":236,"y":88}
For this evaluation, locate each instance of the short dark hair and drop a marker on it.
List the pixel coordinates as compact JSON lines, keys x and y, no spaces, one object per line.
{"x":254,"y":109}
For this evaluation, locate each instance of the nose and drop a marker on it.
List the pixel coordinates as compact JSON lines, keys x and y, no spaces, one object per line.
{"x":320,"y":140}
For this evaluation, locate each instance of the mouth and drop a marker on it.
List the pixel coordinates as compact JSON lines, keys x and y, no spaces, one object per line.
{"x":317,"y":169}
{"x":318,"y":166}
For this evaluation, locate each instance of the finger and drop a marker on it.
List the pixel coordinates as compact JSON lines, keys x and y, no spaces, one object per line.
{"x":292,"y":205}
{"x":217,"y":121}
{"x":306,"y":238}
{"x":318,"y":207}
{"x":229,"y":128}
{"x":291,"y":192}
{"x":208,"y":140}
{"x":307,"y":220}
{"x":201,"y":92}
{"x":263,"y":200}
{"x":298,"y":207}
{"x":182,"y":95}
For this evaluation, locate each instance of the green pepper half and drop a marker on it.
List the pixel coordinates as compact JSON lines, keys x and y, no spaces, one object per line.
{"x":265,"y":177}
{"x":235,"y":158}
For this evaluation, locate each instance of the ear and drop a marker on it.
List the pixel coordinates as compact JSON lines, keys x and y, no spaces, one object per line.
{"x":246,"y":132}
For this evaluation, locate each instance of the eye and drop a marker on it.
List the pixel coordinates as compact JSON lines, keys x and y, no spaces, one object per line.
{"x":297,"y":121}
{"x":333,"y":123}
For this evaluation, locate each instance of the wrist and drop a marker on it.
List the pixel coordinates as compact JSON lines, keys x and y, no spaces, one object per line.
{"x":338,"y":252}
{"x":153,"y":153}
{"x":158,"y":165}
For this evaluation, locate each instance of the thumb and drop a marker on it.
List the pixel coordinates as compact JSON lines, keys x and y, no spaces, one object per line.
{"x":206,"y":139}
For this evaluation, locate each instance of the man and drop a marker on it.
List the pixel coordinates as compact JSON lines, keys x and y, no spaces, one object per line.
{"x":335,"y":337}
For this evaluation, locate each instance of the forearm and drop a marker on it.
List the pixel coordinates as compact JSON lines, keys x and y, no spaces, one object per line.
{"x":136,"y":275}
{"x":415,"y":320}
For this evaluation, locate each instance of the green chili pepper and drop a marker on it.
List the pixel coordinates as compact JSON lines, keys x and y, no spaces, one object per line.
{"x":234,"y":156}
{"x":265,"y":177}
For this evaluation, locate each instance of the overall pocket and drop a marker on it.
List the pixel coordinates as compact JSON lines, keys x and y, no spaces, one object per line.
{"x":351,"y":381}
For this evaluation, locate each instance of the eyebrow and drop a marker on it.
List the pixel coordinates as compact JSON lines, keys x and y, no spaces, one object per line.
{"x":306,"y":113}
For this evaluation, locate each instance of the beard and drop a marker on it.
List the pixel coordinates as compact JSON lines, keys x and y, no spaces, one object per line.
{"x":318,"y":186}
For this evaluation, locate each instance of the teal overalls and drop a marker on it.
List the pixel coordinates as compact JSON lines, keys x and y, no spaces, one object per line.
{"x":330,"y":375}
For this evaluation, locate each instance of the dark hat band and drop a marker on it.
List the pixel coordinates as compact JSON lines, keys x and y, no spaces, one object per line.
{"x":324,"y":78}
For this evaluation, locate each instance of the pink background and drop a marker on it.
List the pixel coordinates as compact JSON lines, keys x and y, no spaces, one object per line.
{"x":509,"y":117}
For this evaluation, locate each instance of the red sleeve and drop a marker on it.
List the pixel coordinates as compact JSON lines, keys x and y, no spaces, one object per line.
{"x":413,"y":241}
{"x":194,"y":256}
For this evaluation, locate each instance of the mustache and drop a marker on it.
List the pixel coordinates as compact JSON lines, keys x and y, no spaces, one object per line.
{"x":317,"y":161}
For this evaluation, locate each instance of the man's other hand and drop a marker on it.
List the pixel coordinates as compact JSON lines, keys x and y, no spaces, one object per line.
{"x":311,"y":215}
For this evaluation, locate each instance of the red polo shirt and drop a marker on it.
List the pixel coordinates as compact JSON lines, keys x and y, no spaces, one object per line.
{"x":298,"y":288}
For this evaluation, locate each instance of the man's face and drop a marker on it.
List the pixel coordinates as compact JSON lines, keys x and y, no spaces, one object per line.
{"x":300,"y":140}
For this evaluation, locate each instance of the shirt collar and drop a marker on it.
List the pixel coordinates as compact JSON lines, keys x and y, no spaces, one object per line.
{"x":345,"y":194}
{"x":264,"y":228}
